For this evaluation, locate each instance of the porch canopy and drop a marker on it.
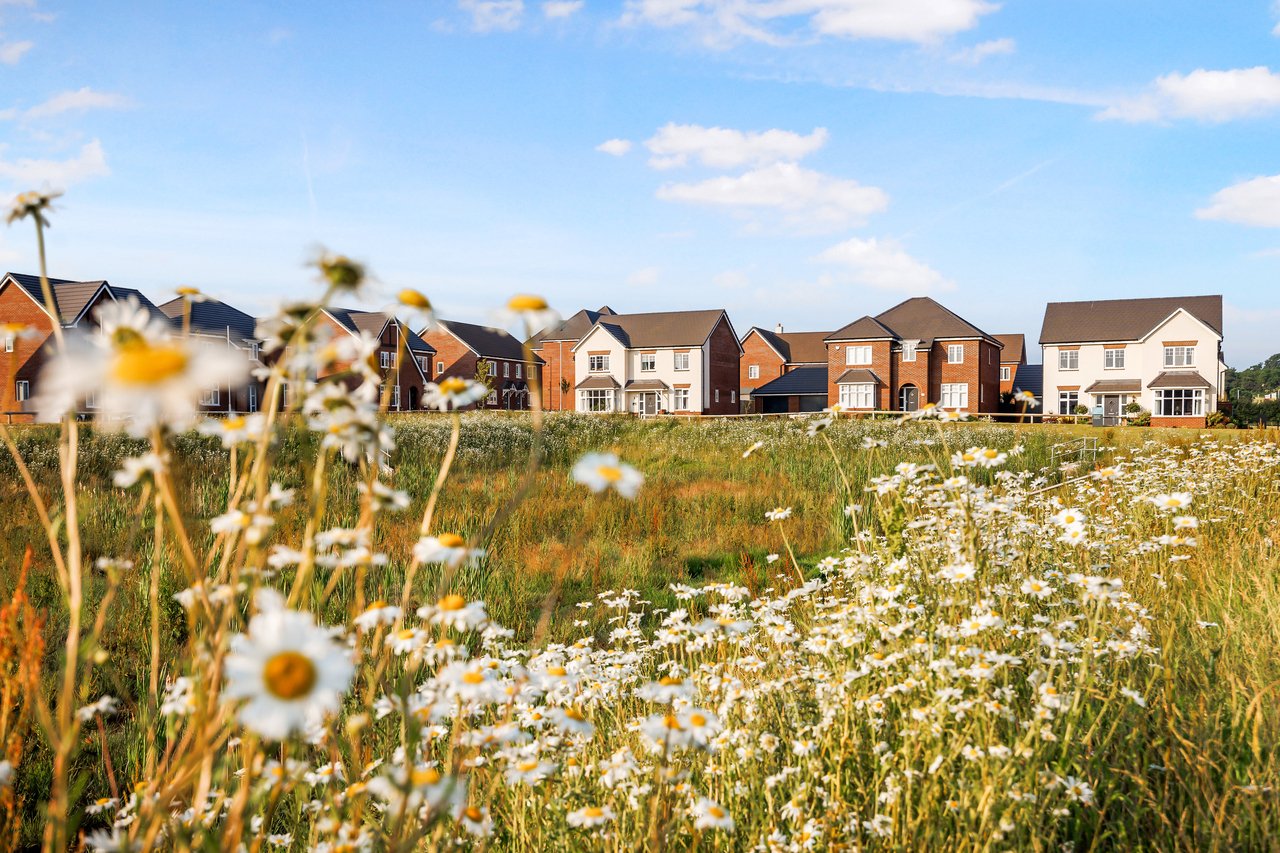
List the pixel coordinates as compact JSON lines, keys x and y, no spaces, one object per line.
{"x":1179,"y":379}
{"x":858,"y":376}
{"x":603,"y":382}
{"x":647,"y":385}
{"x":1115,"y":386}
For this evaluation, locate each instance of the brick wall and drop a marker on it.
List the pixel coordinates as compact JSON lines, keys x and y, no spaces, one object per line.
{"x":725,"y":368}
{"x":405,"y":374}
{"x":457,"y":358}
{"x":1192,"y":422}
{"x":912,"y":373}
{"x":559,"y":365}
{"x":16,"y":306}
{"x":881,"y":359}
{"x":756,"y":351}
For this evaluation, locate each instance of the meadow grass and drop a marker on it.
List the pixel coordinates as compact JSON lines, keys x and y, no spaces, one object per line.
{"x":1210,"y":728}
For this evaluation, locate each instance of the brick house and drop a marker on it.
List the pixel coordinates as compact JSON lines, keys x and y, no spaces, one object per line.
{"x":76,"y":304}
{"x":915,"y":353}
{"x":803,"y":389}
{"x":768,"y":355}
{"x":404,"y":359}
{"x":460,"y":349}
{"x":1165,"y":354}
{"x":676,"y":361}
{"x":1012,"y":358}
{"x":211,"y":323}
{"x":554,"y":347}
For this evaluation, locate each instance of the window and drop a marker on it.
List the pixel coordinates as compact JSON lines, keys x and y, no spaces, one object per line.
{"x":253,"y":352}
{"x":857,"y":355}
{"x":955,"y":354}
{"x":1069,"y":359}
{"x":8,"y":343}
{"x":209,"y":396}
{"x":506,"y":369}
{"x":422,"y":363}
{"x":680,"y":398}
{"x":91,"y":400}
{"x":682,"y":361}
{"x":598,"y":363}
{"x":518,"y":371}
{"x":22,"y":391}
{"x":597,"y":401}
{"x":857,"y":396}
{"x":955,"y":396}
{"x":648,"y":361}
{"x":492,"y":399}
{"x":253,"y":398}
{"x":717,"y":395}
{"x":439,"y":367}
{"x":990,"y":356}
{"x":395,"y":397}
{"x":1067,"y":402}
{"x":908,"y":350}
{"x":387,"y":358}
{"x":1179,"y":356}
{"x":733,"y":396}
{"x":1176,"y":402}
{"x":753,"y":371}
{"x":1004,"y":374}
{"x":1113,"y":359}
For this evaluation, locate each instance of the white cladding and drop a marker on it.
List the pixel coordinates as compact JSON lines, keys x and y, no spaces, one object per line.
{"x":625,"y":366}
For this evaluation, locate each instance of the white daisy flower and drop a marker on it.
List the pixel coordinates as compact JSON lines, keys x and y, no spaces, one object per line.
{"x":600,"y":471}
{"x":378,"y":613}
{"x":454,"y":391}
{"x":1173,"y":501}
{"x":447,"y":548}
{"x":288,"y":668}
{"x":453,"y":611}
{"x":708,"y":815}
{"x":590,"y":816}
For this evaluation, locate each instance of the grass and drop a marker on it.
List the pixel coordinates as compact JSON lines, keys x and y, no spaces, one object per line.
{"x":700,"y":520}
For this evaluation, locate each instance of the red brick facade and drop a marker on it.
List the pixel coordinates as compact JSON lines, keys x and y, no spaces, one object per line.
{"x":757,"y":352}
{"x":979,"y":370}
{"x":1192,"y":422}
{"x":724,"y":370}
{"x":401,"y":370}
{"x":24,"y":363}
{"x":558,"y":369}
{"x":454,"y":358}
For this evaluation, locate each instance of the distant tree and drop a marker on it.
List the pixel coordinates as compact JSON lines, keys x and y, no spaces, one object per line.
{"x":1253,"y":381}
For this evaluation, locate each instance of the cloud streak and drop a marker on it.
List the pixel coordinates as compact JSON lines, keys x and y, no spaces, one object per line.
{"x":27,"y":173}
{"x":1255,"y":202}
{"x":884,"y":265}
{"x":722,"y":148}
{"x":1211,"y":96}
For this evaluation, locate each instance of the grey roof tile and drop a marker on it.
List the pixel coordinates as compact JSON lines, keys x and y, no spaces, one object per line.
{"x":1122,"y":319}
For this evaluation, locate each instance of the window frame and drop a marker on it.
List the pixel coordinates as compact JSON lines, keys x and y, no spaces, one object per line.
{"x":753,"y":371}
{"x":598,"y":363}
{"x":1114,"y":355}
{"x":650,"y":359}
{"x":9,"y":342}
{"x":859,"y":354}
{"x":1188,"y":355}
{"x":955,"y":392}
{"x":908,"y":351}
{"x":680,"y":399}
{"x":1066,"y":356}
{"x":858,"y":395}
{"x":22,"y":390}
{"x":506,"y":370}
{"x":439,"y":367}
{"x":681,"y":361}
{"x":604,"y":396}
{"x":211,"y":396}
{"x":1006,"y":373}
{"x":1175,"y":402}
{"x":1067,"y":402}
{"x":951,"y":351}
{"x":252,"y":400}
{"x":91,"y":400}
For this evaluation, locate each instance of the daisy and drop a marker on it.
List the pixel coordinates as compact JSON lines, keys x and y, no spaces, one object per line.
{"x":708,"y":815}
{"x":419,"y":306}
{"x":1134,"y":695}
{"x":1038,"y":588}
{"x":590,"y":816}
{"x":378,"y":613}
{"x":447,"y":548}
{"x":454,"y":391}
{"x":453,"y":611}
{"x":778,"y":514}
{"x":33,"y":204}
{"x":1073,"y":535}
{"x":1185,"y":522}
{"x":476,"y":820}
{"x":1068,"y":517}
{"x":599,"y":471}
{"x":533,"y":310}
{"x":1172,"y":501}
{"x":752,"y":449}
{"x":137,"y":468}
{"x":288,"y":668}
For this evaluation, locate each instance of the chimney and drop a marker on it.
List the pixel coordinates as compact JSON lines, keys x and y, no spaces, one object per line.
{"x":778,"y":330}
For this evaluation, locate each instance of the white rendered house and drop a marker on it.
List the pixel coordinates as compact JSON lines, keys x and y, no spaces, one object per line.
{"x":1164,"y":354}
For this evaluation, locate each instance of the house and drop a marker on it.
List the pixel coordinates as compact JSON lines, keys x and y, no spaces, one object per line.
{"x":768,"y":355}
{"x":211,"y":323}
{"x":676,"y":361}
{"x":404,"y":359}
{"x":1012,"y":358}
{"x":1030,"y":378}
{"x":915,"y":353}
{"x":1163,"y":353}
{"x":802,"y":389}
{"x":554,"y":347}
{"x":76,"y":306}
{"x":510,"y":369}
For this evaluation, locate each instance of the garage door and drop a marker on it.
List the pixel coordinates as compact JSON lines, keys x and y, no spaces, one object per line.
{"x":773,"y":405}
{"x":813,"y":402}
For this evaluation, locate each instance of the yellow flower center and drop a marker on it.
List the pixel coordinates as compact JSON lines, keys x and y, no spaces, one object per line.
{"x":526,"y":766}
{"x":968,"y":457}
{"x":555,"y":670}
{"x":406,"y":634}
{"x":668,"y":681}
{"x":593,"y":811}
{"x":234,"y":423}
{"x":444,"y":643}
{"x":525,"y":302}
{"x":414,"y":299}
{"x":451,"y":540}
{"x":186,"y":291}
{"x":453,"y":385}
{"x":452,"y":602}
{"x":146,"y":365}
{"x":671,"y":722}
{"x":473,"y":678}
{"x":474,"y":814}
{"x":378,"y":605}
{"x":1049,"y":691}
{"x":716,"y":812}
{"x":1035,"y":587}
{"x":990,"y":454}
{"x":878,"y":656}
{"x":611,"y":473}
{"x":103,"y":801}
{"x":289,"y":675}
{"x":698,"y":720}
{"x":575,"y":714}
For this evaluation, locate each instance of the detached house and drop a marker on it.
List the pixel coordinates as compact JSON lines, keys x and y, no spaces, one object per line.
{"x":768,"y":355}
{"x":211,"y":323}
{"x":404,"y":359}
{"x":915,"y":353}
{"x":469,"y":351}
{"x":1012,"y":358}
{"x":1163,"y":353}
{"x":554,"y":347}
{"x":678,"y":361}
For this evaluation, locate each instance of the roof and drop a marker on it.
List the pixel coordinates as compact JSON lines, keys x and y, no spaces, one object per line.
{"x":488,"y":343}
{"x":1114,"y":386}
{"x":923,"y":319}
{"x":802,"y":380}
{"x":574,"y":328}
{"x":858,"y":376}
{"x":1122,"y":319}
{"x":647,"y":385}
{"x":665,"y":329}
{"x":597,"y":382}
{"x":213,"y":317}
{"x":1030,"y":377}
{"x":1179,"y":379}
{"x":1014,"y":348}
{"x":71,"y":297}
{"x":795,"y":347}
{"x":864,"y":328}
{"x":372,"y":323}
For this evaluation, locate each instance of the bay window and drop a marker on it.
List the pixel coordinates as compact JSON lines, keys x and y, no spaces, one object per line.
{"x":1179,"y":402}
{"x":857,"y":396}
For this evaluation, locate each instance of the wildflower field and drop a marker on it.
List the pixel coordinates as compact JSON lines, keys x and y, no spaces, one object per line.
{"x":331,"y":629}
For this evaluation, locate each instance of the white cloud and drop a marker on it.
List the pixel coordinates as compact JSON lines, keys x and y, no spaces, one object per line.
{"x":561,"y":8}
{"x":11,"y":51}
{"x":644,"y":277}
{"x":883,"y":264}
{"x":616,"y":147}
{"x":1255,"y":202}
{"x":489,"y":15}
{"x":84,"y":99}
{"x":722,"y":148}
{"x":775,"y":22}
{"x":27,"y":173}
{"x":731,"y":280}
{"x":806,"y":197}
{"x":1206,"y":95}
{"x":977,"y":53}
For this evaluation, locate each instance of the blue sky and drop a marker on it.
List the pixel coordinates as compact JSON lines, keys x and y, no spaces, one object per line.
{"x":802,"y":162}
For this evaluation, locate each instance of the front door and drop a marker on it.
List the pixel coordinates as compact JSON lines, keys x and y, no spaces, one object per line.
{"x":1111,"y":409}
{"x":908,"y":398}
{"x":650,"y":404}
